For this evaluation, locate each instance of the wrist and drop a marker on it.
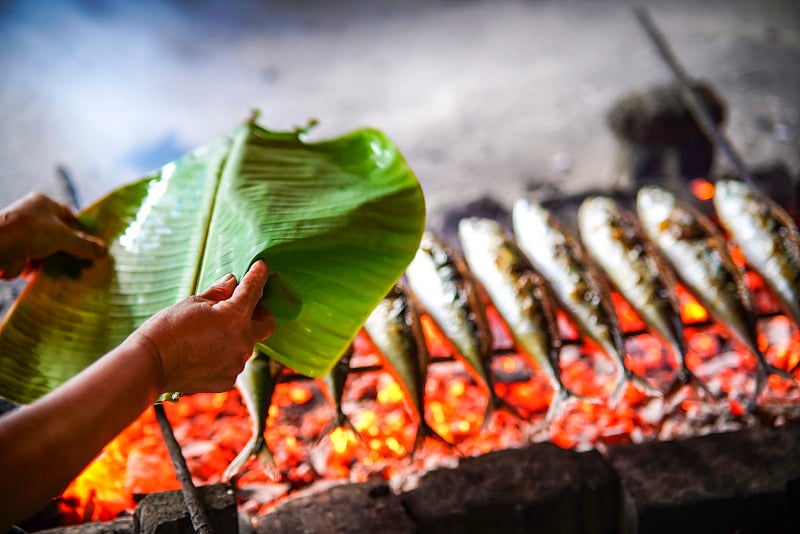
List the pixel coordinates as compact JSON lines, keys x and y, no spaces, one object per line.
{"x":143,"y":344}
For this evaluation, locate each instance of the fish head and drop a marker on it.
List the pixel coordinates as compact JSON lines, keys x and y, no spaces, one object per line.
{"x":595,"y":212}
{"x":532,"y":221}
{"x":731,"y":197}
{"x":654,"y":206}
{"x":477,"y":233}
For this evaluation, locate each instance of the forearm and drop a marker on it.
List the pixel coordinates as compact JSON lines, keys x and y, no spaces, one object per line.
{"x":50,"y":441}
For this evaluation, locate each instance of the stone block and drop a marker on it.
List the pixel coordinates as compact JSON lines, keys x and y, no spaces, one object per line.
{"x":166,"y":513}
{"x":345,"y":509}
{"x":743,"y":481}
{"x":537,"y":489}
{"x":119,"y":526}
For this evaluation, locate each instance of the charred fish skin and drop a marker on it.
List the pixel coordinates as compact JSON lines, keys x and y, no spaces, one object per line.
{"x":520,"y":297}
{"x":394,"y":329}
{"x":698,"y":253}
{"x":617,"y":243}
{"x":559,"y":257}
{"x":443,"y":287}
{"x":257,"y":383}
{"x":767,"y":237}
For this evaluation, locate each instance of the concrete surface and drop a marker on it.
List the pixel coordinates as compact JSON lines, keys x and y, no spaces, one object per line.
{"x":482,"y":97}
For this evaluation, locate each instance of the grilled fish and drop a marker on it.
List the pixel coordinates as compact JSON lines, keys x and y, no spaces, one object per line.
{"x":333,"y":384}
{"x":520,"y":296}
{"x":394,"y":329}
{"x":767,"y":237}
{"x":256,"y":383}
{"x":617,"y":243}
{"x":444,"y":288}
{"x":697,"y":251}
{"x":559,"y":257}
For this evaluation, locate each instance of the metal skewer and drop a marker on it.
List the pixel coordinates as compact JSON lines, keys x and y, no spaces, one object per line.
{"x":689,"y":97}
{"x":191,"y":498}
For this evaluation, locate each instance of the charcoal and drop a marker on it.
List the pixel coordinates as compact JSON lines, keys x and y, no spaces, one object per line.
{"x":345,"y":509}
{"x":743,"y":481}
{"x":540,"y":488}
{"x":166,"y":513}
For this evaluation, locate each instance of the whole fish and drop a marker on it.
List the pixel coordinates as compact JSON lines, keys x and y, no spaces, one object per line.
{"x":256,"y":383}
{"x":697,"y":251}
{"x":444,"y":288}
{"x":333,"y":383}
{"x":617,"y":243}
{"x":767,"y":237}
{"x":394,"y":329}
{"x":559,"y":257}
{"x":520,"y":297}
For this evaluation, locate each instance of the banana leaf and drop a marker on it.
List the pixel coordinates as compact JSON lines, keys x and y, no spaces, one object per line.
{"x":337,"y":221}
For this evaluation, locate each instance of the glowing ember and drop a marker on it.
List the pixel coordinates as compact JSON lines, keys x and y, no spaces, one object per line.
{"x":702,"y":189}
{"x":213,"y":428}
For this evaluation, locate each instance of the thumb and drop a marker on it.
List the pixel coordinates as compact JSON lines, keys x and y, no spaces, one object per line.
{"x":222,"y":290}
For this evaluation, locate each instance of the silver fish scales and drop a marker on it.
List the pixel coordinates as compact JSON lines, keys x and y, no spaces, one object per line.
{"x":560,"y":258}
{"x":698,"y":253}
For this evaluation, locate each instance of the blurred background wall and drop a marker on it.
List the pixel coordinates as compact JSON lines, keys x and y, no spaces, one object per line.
{"x":482,"y":97}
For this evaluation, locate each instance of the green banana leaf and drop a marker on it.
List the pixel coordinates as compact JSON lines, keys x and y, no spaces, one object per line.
{"x":337,"y":221}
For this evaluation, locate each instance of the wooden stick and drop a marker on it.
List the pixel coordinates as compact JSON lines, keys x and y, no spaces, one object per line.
{"x":197,"y":512}
{"x":688,"y":95}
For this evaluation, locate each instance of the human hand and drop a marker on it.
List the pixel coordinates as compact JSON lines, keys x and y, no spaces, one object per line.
{"x":35,"y":227}
{"x":202,"y":343}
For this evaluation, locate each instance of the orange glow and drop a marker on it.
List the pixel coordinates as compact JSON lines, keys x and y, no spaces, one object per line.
{"x":300,"y":394}
{"x":212,"y":429}
{"x":693,"y":312}
{"x":702,"y":189}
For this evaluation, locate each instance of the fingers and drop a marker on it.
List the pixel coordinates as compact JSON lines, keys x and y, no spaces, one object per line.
{"x":63,"y":212}
{"x":222,"y":290}
{"x":81,"y":245}
{"x":251,"y":288}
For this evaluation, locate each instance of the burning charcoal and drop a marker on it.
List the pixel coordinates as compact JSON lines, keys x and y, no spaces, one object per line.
{"x":727,"y":482}
{"x":166,"y":512}
{"x":655,"y":130}
{"x":540,"y":488}
{"x":349,"y":508}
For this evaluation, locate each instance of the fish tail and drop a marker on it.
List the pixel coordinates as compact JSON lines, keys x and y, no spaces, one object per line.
{"x":256,"y":447}
{"x":764,"y":371}
{"x":685,"y":377}
{"x":626,"y":376}
{"x":497,"y":403}
{"x":341,"y":421}
{"x":561,"y":398}
{"x":425,"y":431}
{"x":557,"y":405}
